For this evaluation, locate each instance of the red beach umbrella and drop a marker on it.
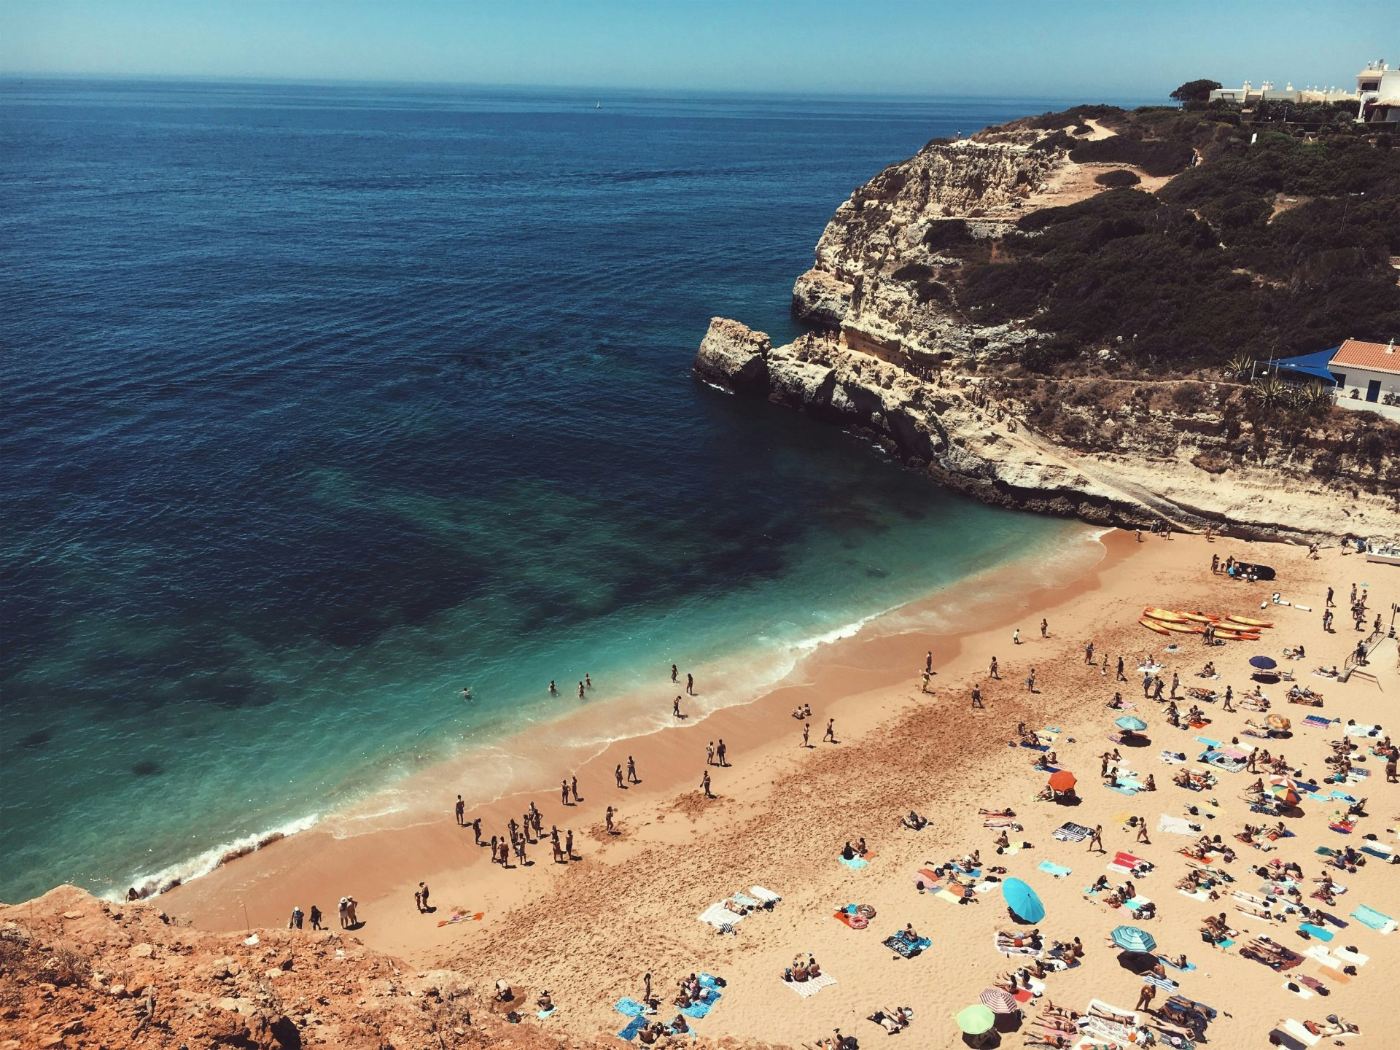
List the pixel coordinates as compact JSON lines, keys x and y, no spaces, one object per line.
{"x":999,"y":1001}
{"x":1062,"y":780}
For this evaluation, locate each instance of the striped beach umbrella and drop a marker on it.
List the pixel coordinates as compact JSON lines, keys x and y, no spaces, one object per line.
{"x":1133,"y":939}
{"x":999,"y":1001}
{"x":975,"y":1020}
{"x":1131,"y":723}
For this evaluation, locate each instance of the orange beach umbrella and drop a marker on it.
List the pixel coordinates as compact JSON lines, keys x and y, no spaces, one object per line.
{"x":1062,"y":780}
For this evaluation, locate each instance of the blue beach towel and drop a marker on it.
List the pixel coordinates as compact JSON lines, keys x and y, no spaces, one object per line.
{"x":709,"y":981}
{"x":1057,"y":870}
{"x":1316,"y":931}
{"x":1184,"y":969}
{"x":629,"y":1007}
{"x":696,"y":1010}
{"x":855,"y":863}
{"x":1378,"y":854}
{"x":1207,"y":741}
{"x":543,"y":1014}
{"x":633,"y":1027}
{"x":1368,"y":916}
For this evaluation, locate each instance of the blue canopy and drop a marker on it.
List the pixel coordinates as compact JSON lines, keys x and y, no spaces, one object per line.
{"x":1314,"y":365}
{"x":1021,"y":899}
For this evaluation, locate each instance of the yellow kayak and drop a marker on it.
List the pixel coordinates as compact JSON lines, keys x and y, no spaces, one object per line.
{"x":1152,"y":625}
{"x":1165,"y":615}
{"x":1199,"y":617}
{"x":1248,"y":622}
{"x":1185,"y":628}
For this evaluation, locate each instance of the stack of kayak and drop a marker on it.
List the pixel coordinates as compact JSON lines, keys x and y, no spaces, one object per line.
{"x":1228,"y":628}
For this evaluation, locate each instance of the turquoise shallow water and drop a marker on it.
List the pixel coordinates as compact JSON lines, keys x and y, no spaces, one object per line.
{"x":321,"y":403}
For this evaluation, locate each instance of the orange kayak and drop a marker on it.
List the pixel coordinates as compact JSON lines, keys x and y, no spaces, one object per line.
{"x":1185,"y":628}
{"x":1248,"y":622}
{"x":1237,"y":636}
{"x":1153,"y":625}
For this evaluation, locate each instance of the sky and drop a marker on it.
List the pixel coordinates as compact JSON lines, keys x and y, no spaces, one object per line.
{"x":1047,"y":48}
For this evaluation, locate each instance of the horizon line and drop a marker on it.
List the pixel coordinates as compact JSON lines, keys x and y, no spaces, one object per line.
{"x":210,"y":78}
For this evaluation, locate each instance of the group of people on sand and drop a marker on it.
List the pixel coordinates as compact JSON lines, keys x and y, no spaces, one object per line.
{"x":349,"y":914}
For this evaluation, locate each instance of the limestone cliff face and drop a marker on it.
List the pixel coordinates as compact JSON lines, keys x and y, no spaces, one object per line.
{"x":896,"y":358}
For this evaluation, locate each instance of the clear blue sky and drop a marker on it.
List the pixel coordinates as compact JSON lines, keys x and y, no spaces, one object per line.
{"x":1069,"y":48}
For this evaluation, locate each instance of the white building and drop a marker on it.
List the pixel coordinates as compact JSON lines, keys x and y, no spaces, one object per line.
{"x":1366,"y":371}
{"x":1378,"y":89}
{"x":1248,"y":94}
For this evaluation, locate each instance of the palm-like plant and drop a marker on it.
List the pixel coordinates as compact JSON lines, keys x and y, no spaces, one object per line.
{"x":1239,"y":366}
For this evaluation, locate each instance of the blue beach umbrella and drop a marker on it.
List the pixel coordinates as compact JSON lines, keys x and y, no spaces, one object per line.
{"x":1264,"y":663}
{"x":1021,"y":899}
{"x":1131,"y":723}
{"x":1132,"y":939}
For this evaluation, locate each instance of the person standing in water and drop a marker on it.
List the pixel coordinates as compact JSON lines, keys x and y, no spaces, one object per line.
{"x":674,"y":672}
{"x":676,"y":708}
{"x":553,"y":689}
{"x":580,"y":690}
{"x":588,"y":682}
{"x":689,"y":684}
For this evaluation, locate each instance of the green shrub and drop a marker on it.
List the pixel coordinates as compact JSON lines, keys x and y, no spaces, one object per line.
{"x":1117,"y":179}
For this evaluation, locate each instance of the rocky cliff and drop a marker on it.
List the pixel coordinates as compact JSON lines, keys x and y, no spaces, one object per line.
{"x":906,"y":350}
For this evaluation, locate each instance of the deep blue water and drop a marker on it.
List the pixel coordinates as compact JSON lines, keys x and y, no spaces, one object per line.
{"x":321,"y":402}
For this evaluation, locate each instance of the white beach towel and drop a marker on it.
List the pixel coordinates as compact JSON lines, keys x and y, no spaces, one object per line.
{"x":1350,"y":957}
{"x":718,"y":916}
{"x":807,"y":989}
{"x":1176,"y":825}
{"x":1298,"y":1032}
{"x":1302,"y":991}
{"x":766,"y":896}
{"x":1320,"y":954}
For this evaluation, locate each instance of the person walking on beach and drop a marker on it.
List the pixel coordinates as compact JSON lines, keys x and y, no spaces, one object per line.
{"x":1103,"y":666}
{"x":569,"y":844}
{"x":495,"y":846}
{"x":1089,"y":653}
{"x":923,"y":687}
{"x":721,"y":752}
{"x":977,"y":696}
{"x":675,"y":671}
{"x":1044,"y":628}
{"x":618,"y":773}
{"x":705,"y":784}
{"x":710,"y":753}
{"x":476,"y":829}
{"x":830,"y":731}
{"x":1176,"y":684}
{"x":461,"y":812}
{"x":689,"y":684}
{"x":1330,"y":602}
{"x":580,"y":690}
{"x":564,"y":791}
{"x":296,"y":920}
{"x":806,"y":732}
{"x":344,"y":913}
{"x":994,"y":671}
{"x":632,"y":770}
{"x":1121,"y":676}
{"x":423,"y":889}
{"x":315,"y":917}
{"x":1145,"y":997}
{"x":928,"y":662}
{"x":1142,"y":832}
{"x":676,"y":708}
{"x":608,"y":821}
{"x":1096,"y":840}
{"x":1030,"y":681}
{"x":646,"y":988}
{"x":1016,"y":636}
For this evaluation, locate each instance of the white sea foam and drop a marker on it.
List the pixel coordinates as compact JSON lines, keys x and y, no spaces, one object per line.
{"x":169,"y":877}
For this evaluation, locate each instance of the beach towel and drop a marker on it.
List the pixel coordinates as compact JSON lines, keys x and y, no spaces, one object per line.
{"x":1072,"y":832}
{"x":902,"y":946}
{"x":1184,"y":969}
{"x":1368,"y":916}
{"x":1350,"y":957}
{"x":629,"y":1007}
{"x":1058,"y":871}
{"x":1013,"y":847}
{"x":744,"y":900}
{"x":1164,"y":983}
{"x":1378,"y":850}
{"x":1301,"y":991}
{"x":1173,"y":758}
{"x":718,"y":916}
{"x":698,"y":1010}
{"x":1134,"y":903}
{"x":545,"y":1014}
{"x":462,"y":916}
{"x":1359,"y":730}
{"x":1295,"y":1030}
{"x":1177,"y":825}
{"x":1207,"y":741}
{"x":1317,"y":933}
{"x":1317,"y":721}
{"x":854,"y":863}
{"x":807,"y":989}
{"x":633,"y":1027}
{"x":766,"y":896}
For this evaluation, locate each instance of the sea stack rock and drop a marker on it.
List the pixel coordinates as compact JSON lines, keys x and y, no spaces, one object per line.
{"x":734,"y":356}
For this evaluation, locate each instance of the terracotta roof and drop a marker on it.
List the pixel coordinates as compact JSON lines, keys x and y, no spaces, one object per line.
{"x":1378,"y":357}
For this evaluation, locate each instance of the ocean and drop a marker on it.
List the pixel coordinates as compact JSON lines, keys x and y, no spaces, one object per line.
{"x":322,"y":403}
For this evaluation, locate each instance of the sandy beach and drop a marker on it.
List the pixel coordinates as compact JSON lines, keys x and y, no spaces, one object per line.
{"x":590,"y":929}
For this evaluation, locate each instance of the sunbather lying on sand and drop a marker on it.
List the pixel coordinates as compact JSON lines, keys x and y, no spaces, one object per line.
{"x":1110,"y":1015}
{"x":893,"y":1021}
{"x":914,"y":821}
